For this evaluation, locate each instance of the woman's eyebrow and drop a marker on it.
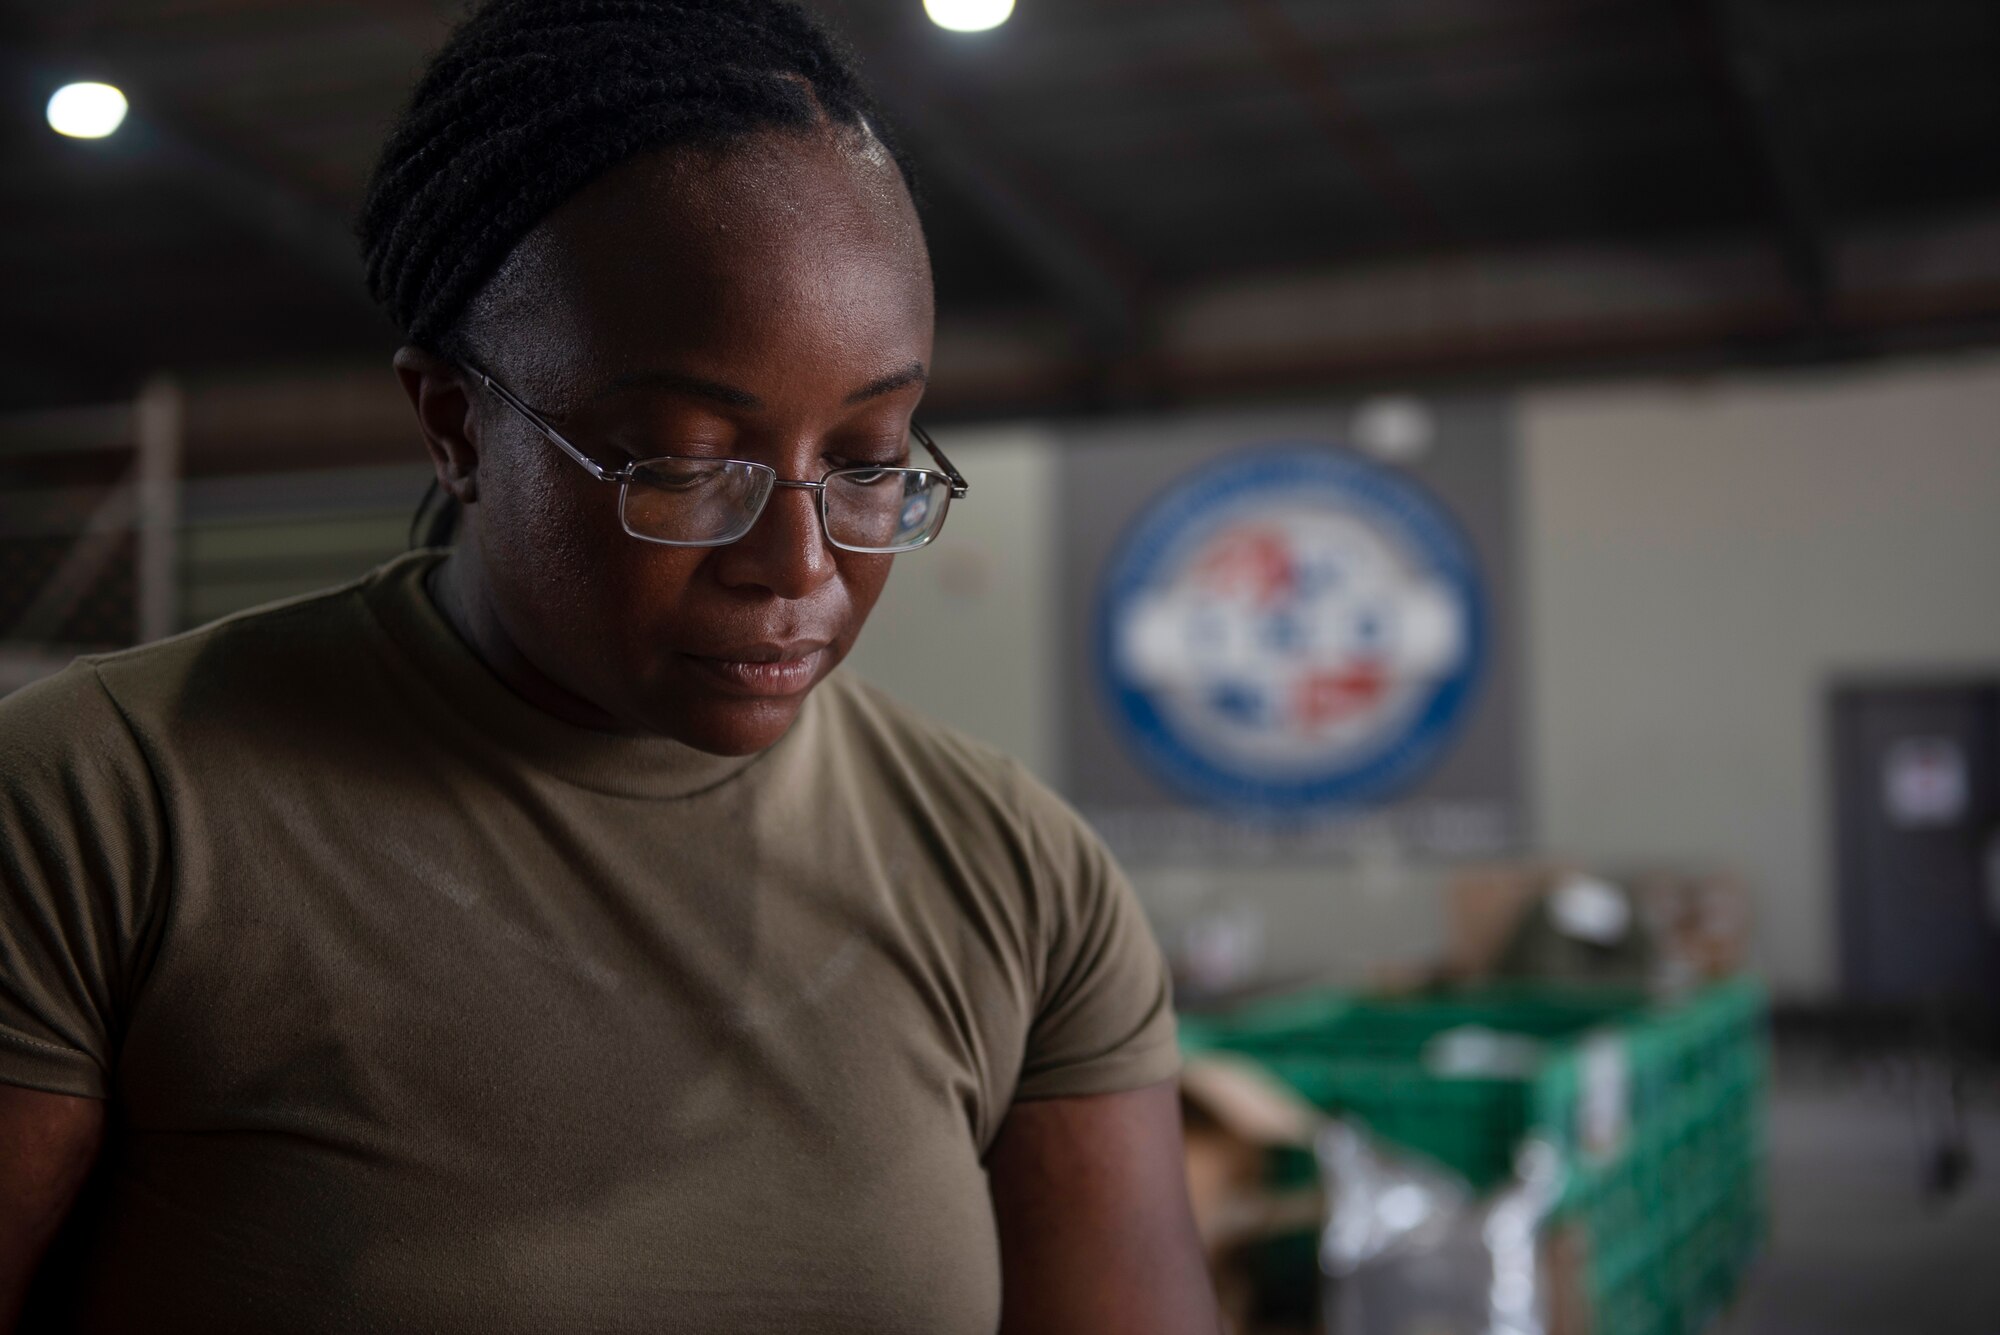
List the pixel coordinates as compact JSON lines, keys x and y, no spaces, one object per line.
{"x":680,"y":383}
{"x":729,"y":395}
{"x":913,"y":374}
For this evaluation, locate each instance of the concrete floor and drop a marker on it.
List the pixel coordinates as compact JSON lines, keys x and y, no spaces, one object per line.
{"x":1856,"y":1247}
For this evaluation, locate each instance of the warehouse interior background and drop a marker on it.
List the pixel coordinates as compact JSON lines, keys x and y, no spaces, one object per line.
{"x":1698,"y":300}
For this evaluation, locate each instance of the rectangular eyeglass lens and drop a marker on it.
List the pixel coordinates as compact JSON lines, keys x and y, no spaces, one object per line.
{"x":884,"y":509}
{"x":693,"y":500}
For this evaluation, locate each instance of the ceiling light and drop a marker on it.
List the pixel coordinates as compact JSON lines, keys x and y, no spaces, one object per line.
{"x":86,"y":110}
{"x":968,"y":15}
{"x":1395,"y":429}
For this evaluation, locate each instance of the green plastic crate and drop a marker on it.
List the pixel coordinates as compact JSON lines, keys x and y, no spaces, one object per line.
{"x":1671,"y":1215}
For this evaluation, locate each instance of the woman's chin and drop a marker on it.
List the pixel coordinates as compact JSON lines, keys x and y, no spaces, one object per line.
{"x":731,"y":726}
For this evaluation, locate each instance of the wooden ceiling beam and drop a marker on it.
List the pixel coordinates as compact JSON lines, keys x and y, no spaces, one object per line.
{"x":1735,"y":54}
{"x":1340,"y":123}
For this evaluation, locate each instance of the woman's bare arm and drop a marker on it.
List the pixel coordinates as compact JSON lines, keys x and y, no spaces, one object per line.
{"x":48,"y":1143}
{"x":1096,"y":1234}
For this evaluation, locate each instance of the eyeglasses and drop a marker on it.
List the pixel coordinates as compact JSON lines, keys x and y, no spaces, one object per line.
{"x":693,"y":502}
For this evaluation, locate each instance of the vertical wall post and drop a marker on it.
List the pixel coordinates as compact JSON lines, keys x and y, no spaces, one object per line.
{"x":158,"y":472}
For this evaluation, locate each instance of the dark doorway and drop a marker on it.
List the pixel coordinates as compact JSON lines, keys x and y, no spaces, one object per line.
{"x":1917,"y":830}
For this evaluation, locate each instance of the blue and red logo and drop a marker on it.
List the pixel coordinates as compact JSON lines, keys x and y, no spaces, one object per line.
{"x":1291,"y":628}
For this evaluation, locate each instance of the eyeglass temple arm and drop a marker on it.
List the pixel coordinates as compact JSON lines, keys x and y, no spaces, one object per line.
{"x":958,"y":484}
{"x":536,"y":420}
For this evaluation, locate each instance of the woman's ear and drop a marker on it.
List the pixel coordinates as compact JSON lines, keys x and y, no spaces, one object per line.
{"x":447,"y":415}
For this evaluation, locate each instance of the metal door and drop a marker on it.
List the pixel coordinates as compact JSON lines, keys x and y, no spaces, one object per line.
{"x":1917,"y":811}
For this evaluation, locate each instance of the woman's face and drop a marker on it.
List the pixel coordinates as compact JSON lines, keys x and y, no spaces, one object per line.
{"x":772,"y":302}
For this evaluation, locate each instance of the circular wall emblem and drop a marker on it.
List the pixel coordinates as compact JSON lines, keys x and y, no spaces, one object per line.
{"x":1290,"y":628}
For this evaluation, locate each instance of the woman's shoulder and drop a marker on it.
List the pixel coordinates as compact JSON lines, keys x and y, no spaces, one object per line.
{"x":57,"y":723}
{"x":304,"y":643}
{"x":958,"y":772}
{"x":112,"y":717}
{"x":859,"y":706}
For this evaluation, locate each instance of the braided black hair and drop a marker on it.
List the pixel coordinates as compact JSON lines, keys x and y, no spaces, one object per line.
{"x":528,"y":101}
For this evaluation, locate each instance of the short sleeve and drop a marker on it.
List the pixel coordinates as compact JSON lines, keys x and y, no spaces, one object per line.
{"x":80,"y":852}
{"x":1104,"y":1021}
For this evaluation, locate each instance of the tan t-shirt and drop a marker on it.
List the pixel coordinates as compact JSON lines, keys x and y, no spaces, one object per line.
{"x":420,"y":1009}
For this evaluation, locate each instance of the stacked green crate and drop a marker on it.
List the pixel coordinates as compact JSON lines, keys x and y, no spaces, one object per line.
{"x":1672,"y":1210}
{"x":1674,"y":1215}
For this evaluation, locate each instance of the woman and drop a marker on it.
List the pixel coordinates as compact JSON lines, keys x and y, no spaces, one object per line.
{"x":540,"y":934}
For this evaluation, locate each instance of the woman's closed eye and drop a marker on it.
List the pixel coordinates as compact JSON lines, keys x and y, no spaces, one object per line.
{"x":885,"y":456}
{"x":683,"y":475}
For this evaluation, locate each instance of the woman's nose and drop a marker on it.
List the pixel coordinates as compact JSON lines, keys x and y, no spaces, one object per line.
{"x":786,"y":551}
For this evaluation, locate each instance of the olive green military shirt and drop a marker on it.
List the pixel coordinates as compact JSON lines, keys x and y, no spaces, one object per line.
{"x":420,"y":1009}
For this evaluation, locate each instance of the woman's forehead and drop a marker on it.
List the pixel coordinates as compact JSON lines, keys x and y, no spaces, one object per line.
{"x":773,"y":208}
{"x":704,"y":212}
{"x":783,"y":245}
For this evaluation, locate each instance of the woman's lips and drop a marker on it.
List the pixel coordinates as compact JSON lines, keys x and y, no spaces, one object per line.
{"x":764,"y":675}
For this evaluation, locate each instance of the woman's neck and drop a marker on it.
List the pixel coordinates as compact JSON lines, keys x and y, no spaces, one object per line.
{"x":457,"y":586}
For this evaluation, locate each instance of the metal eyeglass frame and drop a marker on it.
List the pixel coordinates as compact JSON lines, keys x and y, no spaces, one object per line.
{"x":624,"y":476}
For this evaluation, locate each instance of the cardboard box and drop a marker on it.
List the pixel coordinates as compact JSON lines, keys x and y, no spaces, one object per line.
{"x":1686,"y":926}
{"x":1234,"y":1115}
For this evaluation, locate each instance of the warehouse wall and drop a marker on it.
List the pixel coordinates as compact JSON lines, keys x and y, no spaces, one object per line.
{"x":1701,"y":558}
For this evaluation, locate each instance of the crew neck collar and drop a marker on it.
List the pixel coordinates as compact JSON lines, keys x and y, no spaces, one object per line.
{"x":622,"y":764}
